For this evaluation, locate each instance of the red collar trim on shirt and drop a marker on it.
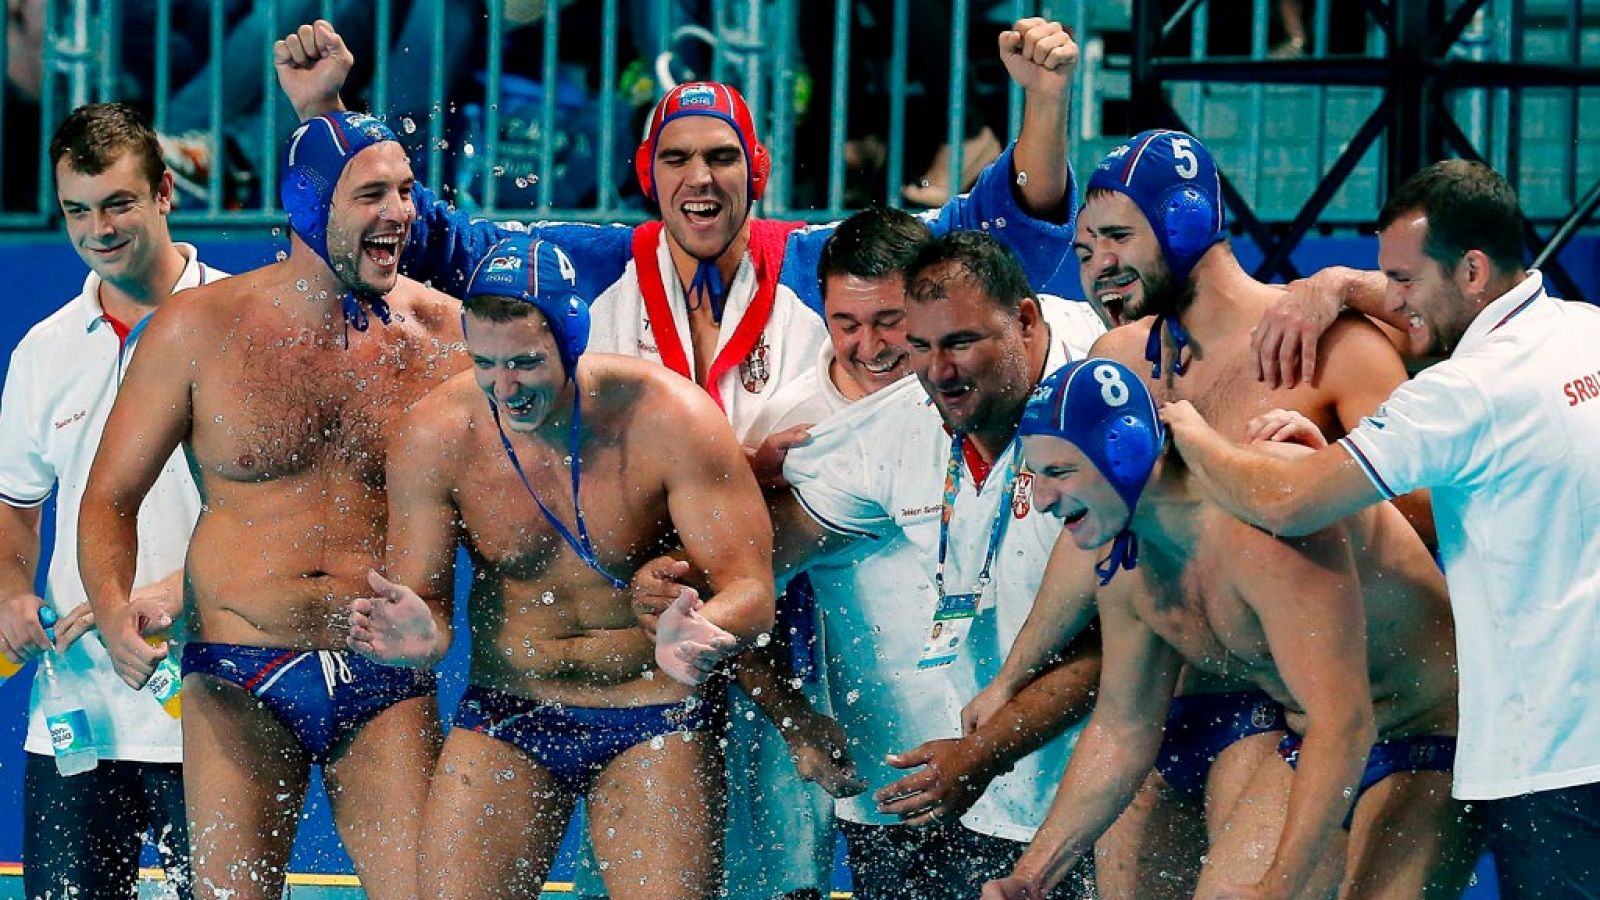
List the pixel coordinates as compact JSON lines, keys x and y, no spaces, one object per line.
{"x":768,"y":240}
{"x":119,"y":326}
{"x":976,"y":464}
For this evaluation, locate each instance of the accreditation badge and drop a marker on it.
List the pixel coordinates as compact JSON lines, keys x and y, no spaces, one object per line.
{"x":952,"y":622}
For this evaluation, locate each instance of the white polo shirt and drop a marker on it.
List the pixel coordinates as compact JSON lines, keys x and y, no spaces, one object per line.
{"x":59,"y":389}
{"x":1506,"y":433}
{"x":877,"y":470}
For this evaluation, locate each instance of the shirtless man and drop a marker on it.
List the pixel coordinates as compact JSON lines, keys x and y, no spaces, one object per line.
{"x":1207,"y":590}
{"x":1152,"y":253}
{"x":567,"y":697}
{"x":281,"y":395}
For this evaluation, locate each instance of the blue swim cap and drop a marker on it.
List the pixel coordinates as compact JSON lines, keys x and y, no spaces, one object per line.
{"x":1171,"y":177}
{"x":538,"y":273}
{"x":316,"y":156}
{"x":1104,"y":409}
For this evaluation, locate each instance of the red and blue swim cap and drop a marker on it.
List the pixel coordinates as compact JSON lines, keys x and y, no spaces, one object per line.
{"x":705,"y":98}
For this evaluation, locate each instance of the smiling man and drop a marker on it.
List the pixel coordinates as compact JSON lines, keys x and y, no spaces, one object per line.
{"x":1350,"y":634}
{"x":1508,"y":446}
{"x":85,"y":834}
{"x":280,"y":390}
{"x":557,"y":468}
{"x":877,"y":479}
{"x":1154,"y":262}
{"x":720,"y":295}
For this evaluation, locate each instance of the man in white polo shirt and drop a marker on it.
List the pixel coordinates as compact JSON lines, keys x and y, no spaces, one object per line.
{"x":83,"y":835}
{"x":873,"y":479}
{"x":1506,"y":432}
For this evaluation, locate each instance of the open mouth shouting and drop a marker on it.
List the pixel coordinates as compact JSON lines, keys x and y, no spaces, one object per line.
{"x":521,"y":406}
{"x":382,"y":250}
{"x":702,"y":212}
{"x":1114,"y":295}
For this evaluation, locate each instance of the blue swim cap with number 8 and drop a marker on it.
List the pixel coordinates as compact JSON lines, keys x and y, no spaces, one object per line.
{"x":1104,"y":409}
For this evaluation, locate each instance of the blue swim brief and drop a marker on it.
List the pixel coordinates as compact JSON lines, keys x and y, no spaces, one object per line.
{"x":321,"y":696}
{"x":1423,"y":753}
{"x":1201,"y":726}
{"x":575,"y":742}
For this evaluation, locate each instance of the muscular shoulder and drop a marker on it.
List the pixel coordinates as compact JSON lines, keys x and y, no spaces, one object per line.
{"x":1125,"y":344}
{"x":1266,"y":569}
{"x":437,"y":426}
{"x":647,"y":400}
{"x":436,"y":312}
{"x":191,"y":317}
{"x":1354,"y":348}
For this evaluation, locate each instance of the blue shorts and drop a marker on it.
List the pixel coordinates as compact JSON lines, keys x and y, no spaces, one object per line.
{"x":1423,"y":753}
{"x":1201,"y":726}
{"x":575,"y":742}
{"x":321,"y":696}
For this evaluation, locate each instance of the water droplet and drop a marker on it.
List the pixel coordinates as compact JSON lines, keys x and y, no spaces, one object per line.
{"x":302,"y":285}
{"x":657,"y":742}
{"x":281,"y":255}
{"x":999,"y":221}
{"x":520,"y":182}
{"x":407,"y":125}
{"x":498,"y":171}
{"x":547,"y":598}
{"x":219,"y":419}
{"x":442,"y":144}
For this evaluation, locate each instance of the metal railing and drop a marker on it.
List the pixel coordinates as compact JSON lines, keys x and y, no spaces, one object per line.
{"x":538,"y":123}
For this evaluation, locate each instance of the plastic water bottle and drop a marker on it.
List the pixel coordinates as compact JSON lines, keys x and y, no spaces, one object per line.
{"x":70,"y":736}
{"x":166,"y":685}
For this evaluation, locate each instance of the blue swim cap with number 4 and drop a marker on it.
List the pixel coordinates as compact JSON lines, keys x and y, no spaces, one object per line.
{"x":1104,"y":409}
{"x":542,"y":275}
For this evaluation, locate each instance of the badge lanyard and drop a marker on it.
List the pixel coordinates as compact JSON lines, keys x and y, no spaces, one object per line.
{"x":947,"y":510}
{"x":580,"y":542}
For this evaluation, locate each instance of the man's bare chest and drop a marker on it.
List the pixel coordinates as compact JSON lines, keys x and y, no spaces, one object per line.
{"x":624,"y":516}
{"x":282,"y":405}
{"x":1192,"y":609}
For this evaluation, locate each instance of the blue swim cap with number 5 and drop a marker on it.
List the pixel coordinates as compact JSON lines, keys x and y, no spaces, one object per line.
{"x":1173,"y":180}
{"x":1104,"y":409}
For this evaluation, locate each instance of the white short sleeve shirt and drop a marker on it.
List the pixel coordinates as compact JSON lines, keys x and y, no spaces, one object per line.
{"x":59,"y":389}
{"x":1506,"y":433}
{"x":877,"y":471}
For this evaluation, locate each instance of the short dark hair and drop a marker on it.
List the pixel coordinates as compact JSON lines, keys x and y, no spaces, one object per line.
{"x":94,"y":136}
{"x":495,"y":308}
{"x":1468,"y":207}
{"x":875,"y":243}
{"x":986,"y":262}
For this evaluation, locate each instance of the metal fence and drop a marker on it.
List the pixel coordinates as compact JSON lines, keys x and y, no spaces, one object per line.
{"x":529,"y":109}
